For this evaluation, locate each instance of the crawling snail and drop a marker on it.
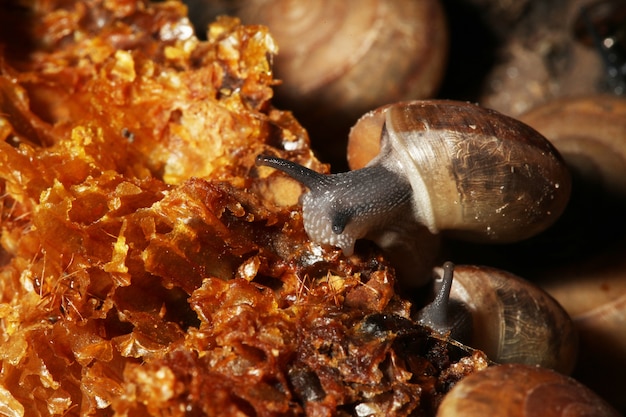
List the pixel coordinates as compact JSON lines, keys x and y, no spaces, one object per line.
{"x":445,"y":166}
{"x":505,"y":316}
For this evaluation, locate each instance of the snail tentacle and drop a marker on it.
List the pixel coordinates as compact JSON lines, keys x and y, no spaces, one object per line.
{"x":435,"y":314}
{"x":307,"y":177}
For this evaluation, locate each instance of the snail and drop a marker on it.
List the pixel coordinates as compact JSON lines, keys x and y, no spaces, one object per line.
{"x":522,"y":391}
{"x":505,"y":316}
{"x":445,"y":166}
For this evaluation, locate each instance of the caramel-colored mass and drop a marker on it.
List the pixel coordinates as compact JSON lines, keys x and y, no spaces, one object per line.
{"x":146,"y":266}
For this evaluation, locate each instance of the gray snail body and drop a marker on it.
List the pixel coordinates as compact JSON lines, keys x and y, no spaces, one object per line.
{"x":505,"y":316}
{"x":443,"y":166}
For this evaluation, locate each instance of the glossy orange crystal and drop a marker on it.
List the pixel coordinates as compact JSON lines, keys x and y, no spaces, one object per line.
{"x":147,"y":267}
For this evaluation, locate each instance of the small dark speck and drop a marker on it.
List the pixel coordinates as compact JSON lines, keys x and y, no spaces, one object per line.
{"x":130,"y":136}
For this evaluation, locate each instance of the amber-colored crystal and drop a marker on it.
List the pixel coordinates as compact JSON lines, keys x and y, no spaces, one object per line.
{"x":147,"y":267}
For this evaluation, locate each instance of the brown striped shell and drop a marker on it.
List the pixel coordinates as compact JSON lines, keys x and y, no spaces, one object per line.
{"x":475,"y":173}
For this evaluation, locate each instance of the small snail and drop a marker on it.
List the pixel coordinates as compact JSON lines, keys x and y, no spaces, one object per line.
{"x":508,"y":318}
{"x":522,"y":391}
{"x":445,"y":166}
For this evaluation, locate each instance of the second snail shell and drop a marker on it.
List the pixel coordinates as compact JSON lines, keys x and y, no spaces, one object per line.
{"x":513,"y":320}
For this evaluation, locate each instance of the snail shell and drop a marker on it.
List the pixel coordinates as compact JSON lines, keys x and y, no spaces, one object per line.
{"x":474,"y":172}
{"x":522,"y":391}
{"x":351,"y":56}
{"x":505,"y":316}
